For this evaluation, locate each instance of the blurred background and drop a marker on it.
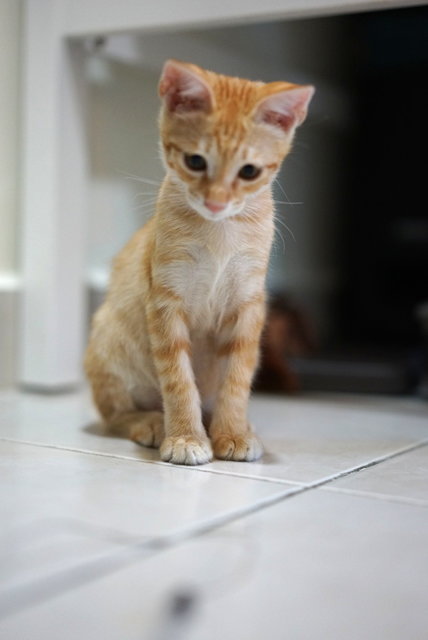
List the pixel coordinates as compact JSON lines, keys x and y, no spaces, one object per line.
{"x":349,"y":269}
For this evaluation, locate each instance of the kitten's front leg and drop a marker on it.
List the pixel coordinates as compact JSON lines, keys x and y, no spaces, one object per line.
{"x":186,"y":441}
{"x":231,"y":434}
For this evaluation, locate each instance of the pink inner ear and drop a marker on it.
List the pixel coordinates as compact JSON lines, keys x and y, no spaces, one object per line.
{"x":285,"y":109}
{"x":282,"y":120}
{"x":182,"y":90}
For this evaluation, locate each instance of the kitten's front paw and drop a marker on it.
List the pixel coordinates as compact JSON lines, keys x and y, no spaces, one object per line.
{"x":148,"y":430}
{"x":242,"y":448}
{"x":186,"y":450}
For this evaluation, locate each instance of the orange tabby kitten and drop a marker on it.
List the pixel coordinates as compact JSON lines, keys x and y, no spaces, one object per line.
{"x":175,"y":345}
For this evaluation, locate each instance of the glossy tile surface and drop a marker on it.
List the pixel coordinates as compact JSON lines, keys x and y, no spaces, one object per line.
{"x":404,"y":477}
{"x":324,"y":538}
{"x":310,"y":438}
{"x":306,"y":439}
{"x":65,"y":420}
{"x":41,"y":484}
{"x":295,"y":570}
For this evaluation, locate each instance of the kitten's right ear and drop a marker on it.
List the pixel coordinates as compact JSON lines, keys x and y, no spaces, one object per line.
{"x":285,"y":106}
{"x":183,"y":89}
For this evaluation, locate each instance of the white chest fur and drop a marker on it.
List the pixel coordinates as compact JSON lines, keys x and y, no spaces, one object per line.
{"x":214,"y":278}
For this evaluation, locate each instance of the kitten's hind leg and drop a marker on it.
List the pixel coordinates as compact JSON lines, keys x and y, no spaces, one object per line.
{"x":144,"y":427}
{"x":122,"y":415}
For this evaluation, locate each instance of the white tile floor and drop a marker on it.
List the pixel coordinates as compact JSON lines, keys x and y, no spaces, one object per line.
{"x":326,"y":537}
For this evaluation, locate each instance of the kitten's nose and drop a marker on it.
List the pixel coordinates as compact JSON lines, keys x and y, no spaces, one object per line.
{"x":214,"y":206}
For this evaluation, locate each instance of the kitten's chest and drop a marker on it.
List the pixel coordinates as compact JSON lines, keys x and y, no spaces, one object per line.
{"x":211,"y":284}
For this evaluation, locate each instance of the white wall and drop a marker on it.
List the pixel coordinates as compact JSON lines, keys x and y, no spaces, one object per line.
{"x":10,"y":26}
{"x":123,"y":144}
{"x":10,"y":14}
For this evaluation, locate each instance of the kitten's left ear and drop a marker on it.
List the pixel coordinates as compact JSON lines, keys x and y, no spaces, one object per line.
{"x":285,"y":109}
{"x":183,"y":88}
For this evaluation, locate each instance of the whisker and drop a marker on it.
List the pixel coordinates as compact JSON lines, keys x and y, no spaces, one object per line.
{"x":287,"y":202}
{"x":281,"y":187}
{"x":277,"y":231}
{"x":141,"y":202}
{"x":287,"y":199}
{"x":131,"y":176}
{"x":286,"y":227}
{"x":146,"y":193}
{"x":150,"y":198}
{"x":145,"y":206}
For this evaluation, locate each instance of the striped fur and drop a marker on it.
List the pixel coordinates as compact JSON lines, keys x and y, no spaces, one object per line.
{"x":173,"y":349}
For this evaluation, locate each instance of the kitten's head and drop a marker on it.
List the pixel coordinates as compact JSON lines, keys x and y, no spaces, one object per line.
{"x":224,"y":138}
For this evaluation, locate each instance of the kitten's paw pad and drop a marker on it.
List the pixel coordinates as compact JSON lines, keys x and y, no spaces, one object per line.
{"x":242,"y":448}
{"x":186,"y":450}
{"x":149,"y":430}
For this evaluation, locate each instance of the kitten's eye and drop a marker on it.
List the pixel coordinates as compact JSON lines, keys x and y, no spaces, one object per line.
{"x":195,"y":162}
{"x":249,"y":172}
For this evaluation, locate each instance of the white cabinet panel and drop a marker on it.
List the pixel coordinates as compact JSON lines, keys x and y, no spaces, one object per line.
{"x":81,"y":17}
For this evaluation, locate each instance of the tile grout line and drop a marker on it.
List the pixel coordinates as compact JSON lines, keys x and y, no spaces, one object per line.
{"x":160,"y":463}
{"x":200,"y":468}
{"x":38,"y":591}
{"x":386,"y":497}
{"x":15,"y":600}
{"x":388,"y":456}
{"x":366,"y":465}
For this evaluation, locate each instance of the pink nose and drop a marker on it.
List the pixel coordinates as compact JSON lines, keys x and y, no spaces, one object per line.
{"x":214,"y":206}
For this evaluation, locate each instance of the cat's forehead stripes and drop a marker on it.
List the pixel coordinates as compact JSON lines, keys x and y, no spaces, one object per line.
{"x":234,"y":101}
{"x":234,"y":94}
